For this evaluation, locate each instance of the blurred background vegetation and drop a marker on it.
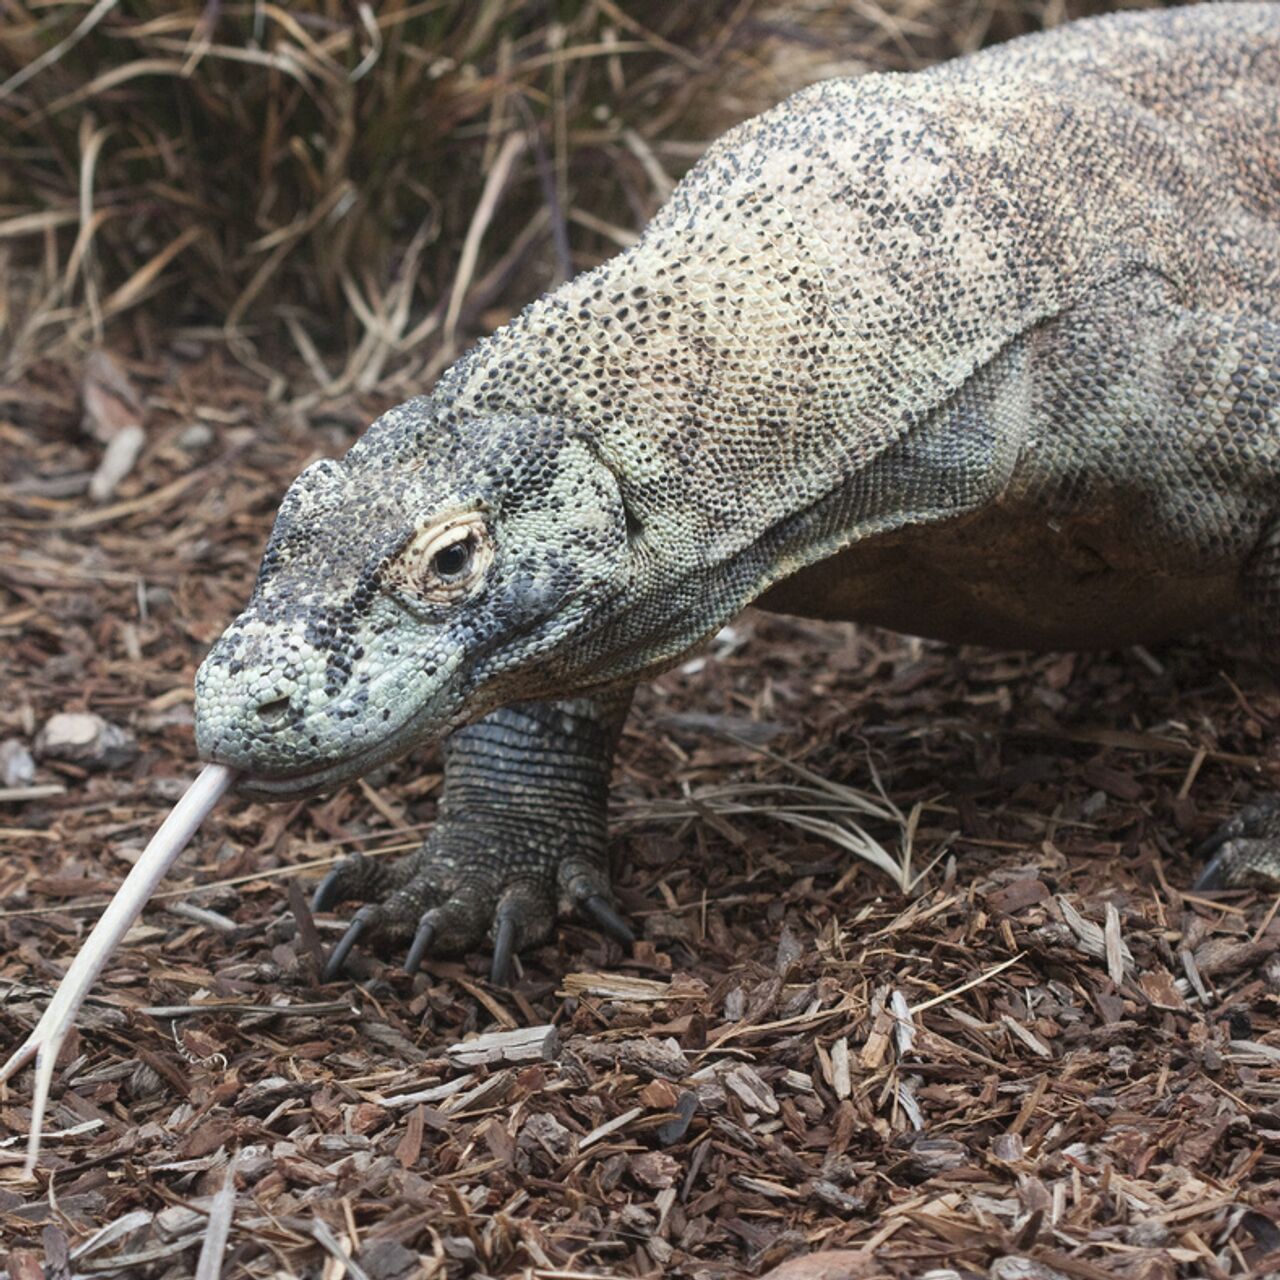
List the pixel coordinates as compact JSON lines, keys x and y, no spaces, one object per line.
{"x":353,"y":191}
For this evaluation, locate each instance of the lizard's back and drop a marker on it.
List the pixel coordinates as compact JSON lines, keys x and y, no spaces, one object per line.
{"x":1130,"y":434}
{"x":1125,"y":488}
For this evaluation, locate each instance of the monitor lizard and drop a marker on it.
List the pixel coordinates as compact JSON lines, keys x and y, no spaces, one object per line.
{"x":988,"y":352}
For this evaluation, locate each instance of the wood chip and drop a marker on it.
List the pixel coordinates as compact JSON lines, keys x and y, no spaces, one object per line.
{"x":525,"y":1044}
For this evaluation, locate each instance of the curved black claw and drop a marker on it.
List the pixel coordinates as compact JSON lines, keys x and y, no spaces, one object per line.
{"x":600,"y":910}
{"x":1214,"y":876}
{"x":504,"y":945}
{"x":326,"y":893}
{"x":422,"y":940}
{"x":338,"y":956}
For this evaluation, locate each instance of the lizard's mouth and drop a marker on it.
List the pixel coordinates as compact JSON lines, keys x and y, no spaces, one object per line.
{"x":263,"y":779}
{"x":300,"y":785}
{"x":259,"y":781}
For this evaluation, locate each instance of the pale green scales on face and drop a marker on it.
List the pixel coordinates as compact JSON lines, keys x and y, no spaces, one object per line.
{"x":853,"y":325}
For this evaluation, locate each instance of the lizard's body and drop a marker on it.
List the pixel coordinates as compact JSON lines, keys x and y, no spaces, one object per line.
{"x":989,"y":352}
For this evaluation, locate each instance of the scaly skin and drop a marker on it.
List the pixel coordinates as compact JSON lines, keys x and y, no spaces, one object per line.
{"x":989,"y":352}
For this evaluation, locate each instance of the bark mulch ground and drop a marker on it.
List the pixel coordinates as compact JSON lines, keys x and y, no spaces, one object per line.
{"x":1046,"y":1058}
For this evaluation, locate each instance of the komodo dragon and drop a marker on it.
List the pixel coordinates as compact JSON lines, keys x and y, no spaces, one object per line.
{"x":988,"y":353}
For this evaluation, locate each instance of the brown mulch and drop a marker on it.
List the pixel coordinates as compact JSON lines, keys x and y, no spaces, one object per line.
{"x":1044,"y":1059}
{"x":1047,"y":1059}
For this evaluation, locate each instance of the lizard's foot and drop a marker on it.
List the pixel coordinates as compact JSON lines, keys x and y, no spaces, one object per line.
{"x":467,"y":884}
{"x":520,"y":831}
{"x":1245,"y":850}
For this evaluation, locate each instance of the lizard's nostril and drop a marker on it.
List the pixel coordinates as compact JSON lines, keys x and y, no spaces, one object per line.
{"x":274,"y":710}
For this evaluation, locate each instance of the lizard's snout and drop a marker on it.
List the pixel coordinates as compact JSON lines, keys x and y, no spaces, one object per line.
{"x":294,"y":711}
{"x":260,"y":700}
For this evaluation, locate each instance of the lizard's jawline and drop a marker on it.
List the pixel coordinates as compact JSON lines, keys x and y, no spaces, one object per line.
{"x":312,"y":782}
{"x":298,"y":784}
{"x":302,"y":783}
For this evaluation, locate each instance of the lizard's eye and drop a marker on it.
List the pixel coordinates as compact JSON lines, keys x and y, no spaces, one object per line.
{"x":445,"y":560}
{"x":454,"y":560}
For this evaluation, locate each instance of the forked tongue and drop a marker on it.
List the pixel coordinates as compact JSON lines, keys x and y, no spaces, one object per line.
{"x":45,"y":1042}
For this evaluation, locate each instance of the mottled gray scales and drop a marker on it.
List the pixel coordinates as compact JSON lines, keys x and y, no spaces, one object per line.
{"x":989,"y":352}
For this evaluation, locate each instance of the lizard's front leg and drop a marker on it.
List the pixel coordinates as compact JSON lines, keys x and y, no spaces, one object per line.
{"x":520,"y":833}
{"x":1245,"y":850}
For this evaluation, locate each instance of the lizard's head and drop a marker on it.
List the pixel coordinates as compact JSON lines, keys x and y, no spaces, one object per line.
{"x":437,"y":571}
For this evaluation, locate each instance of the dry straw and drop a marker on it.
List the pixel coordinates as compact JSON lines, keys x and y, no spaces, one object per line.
{"x":355,"y":190}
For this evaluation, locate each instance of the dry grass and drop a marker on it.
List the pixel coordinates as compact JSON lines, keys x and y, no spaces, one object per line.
{"x":354,"y":190}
